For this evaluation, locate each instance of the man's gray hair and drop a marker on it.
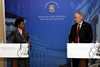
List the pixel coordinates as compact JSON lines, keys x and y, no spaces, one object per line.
{"x":81,"y":15}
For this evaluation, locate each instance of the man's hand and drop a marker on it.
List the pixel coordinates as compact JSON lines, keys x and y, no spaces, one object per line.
{"x":72,"y":42}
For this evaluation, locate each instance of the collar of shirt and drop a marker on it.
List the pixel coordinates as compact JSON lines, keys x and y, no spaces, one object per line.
{"x":20,"y":31}
{"x":80,"y":25}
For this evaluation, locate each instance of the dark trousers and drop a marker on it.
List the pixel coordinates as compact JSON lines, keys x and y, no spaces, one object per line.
{"x":76,"y":62}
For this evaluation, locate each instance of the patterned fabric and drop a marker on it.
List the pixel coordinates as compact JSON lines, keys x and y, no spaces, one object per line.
{"x":16,"y":37}
{"x":23,"y":62}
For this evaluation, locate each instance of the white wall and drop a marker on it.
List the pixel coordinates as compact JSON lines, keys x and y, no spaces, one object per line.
{"x":2,"y":30}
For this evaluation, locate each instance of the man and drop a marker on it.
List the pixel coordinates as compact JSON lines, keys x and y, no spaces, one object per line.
{"x":81,"y":32}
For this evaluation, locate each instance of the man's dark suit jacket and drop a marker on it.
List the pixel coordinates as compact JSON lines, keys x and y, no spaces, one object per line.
{"x":85,"y":34}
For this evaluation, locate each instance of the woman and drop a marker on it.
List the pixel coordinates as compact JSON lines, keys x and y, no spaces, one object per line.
{"x":19,"y":35}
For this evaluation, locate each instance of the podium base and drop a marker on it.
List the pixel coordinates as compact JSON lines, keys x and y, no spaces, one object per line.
{"x":14,"y":62}
{"x":82,"y":62}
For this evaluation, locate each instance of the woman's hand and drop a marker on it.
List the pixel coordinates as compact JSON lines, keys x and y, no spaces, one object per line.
{"x":27,"y":41}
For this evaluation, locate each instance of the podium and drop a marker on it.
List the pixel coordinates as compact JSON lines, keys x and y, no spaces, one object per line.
{"x":83,"y":51}
{"x":14,"y":51}
{"x":14,"y":62}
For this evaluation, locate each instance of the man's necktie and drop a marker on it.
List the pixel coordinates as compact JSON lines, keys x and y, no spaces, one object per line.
{"x":77,"y":34}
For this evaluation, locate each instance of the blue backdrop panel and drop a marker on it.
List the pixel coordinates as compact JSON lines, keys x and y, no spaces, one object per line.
{"x":48,"y":23}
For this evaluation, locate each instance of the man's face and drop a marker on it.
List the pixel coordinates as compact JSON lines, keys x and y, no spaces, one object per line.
{"x":78,"y":19}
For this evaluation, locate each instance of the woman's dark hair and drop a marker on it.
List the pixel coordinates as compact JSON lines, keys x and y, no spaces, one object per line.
{"x":18,"y":21}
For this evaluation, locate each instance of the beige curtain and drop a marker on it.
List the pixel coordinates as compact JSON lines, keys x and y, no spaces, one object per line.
{"x":2,"y":30}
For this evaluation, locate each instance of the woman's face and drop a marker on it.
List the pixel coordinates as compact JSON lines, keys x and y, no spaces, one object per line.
{"x":21,"y":25}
